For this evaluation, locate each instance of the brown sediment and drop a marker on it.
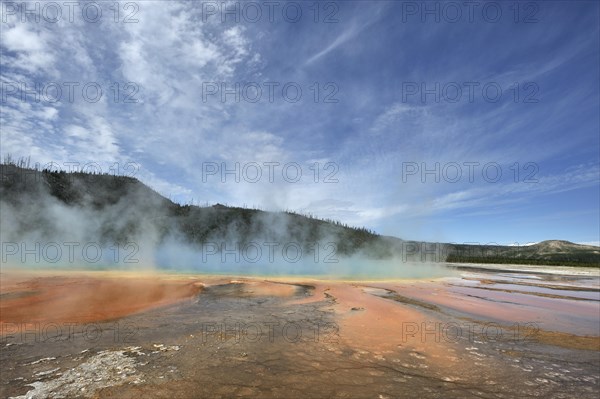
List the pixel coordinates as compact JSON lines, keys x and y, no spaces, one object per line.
{"x":393,"y":295}
{"x":532,"y":333}
{"x":560,"y":339}
{"x":410,"y":301}
{"x":569,"y":341}
{"x":482,"y":281}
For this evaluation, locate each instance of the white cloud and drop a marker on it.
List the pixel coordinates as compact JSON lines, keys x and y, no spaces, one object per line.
{"x":356,"y":26}
{"x":33,"y":47}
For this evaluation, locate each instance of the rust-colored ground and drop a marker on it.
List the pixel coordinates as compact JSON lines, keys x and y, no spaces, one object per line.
{"x":360,"y":339}
{"x":86,"y":297}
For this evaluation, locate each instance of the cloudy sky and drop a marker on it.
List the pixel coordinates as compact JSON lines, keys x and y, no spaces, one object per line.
{"x":445,"y":121}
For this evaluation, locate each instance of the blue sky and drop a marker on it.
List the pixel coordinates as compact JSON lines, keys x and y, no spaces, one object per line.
{"x":504,"y":86}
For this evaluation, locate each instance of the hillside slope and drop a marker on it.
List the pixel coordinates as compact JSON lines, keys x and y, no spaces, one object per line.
{"x":116,"y":209}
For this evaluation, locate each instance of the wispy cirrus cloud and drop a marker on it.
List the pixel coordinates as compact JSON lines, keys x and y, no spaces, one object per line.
{"x":369,"y":133}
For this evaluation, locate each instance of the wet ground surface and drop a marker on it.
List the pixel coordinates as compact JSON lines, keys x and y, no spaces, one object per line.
{"x":314,"y":339}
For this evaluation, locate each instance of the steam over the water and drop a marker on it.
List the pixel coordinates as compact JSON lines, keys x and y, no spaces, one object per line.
{"x":177,"y":257}
{"x":103,"y":222}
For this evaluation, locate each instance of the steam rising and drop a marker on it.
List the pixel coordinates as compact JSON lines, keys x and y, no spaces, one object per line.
{"x":84,"y":221}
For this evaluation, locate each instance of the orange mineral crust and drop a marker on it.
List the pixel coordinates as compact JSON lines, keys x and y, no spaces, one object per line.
{"x":80,"y":297}
{"x":190,"y":336}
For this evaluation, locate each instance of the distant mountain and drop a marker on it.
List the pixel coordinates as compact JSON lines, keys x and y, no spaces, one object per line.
{"x":550,"y":252}
{"x":561,"y":246}
{"x":43,"y":206}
